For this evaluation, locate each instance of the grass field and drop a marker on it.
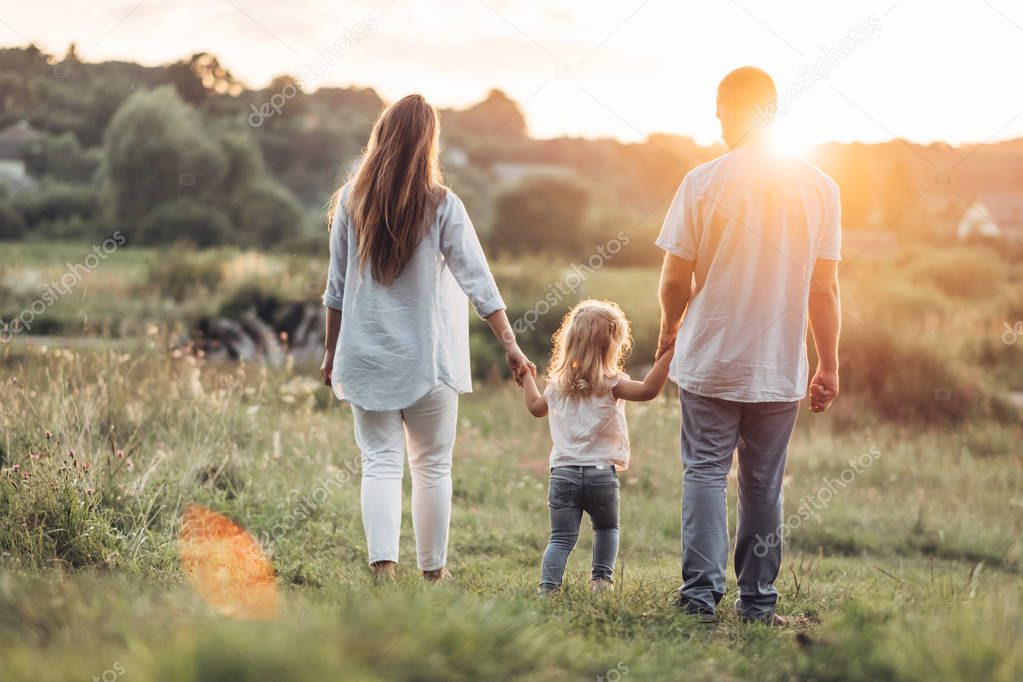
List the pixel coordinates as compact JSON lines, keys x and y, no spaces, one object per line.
{"x":912,"y":568}
{"x":909,"y":566}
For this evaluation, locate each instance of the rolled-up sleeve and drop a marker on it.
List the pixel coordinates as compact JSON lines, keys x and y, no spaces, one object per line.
{"x":333,"y":295}
{"x":680,"y":234}
{"x":464,"y":257}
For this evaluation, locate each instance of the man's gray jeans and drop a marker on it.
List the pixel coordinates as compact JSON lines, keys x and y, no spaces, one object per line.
{"x":711,"y":430}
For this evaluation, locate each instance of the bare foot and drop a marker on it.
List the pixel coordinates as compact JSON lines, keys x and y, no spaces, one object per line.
{"x":383,"y":571}
{"x":441,"y":575}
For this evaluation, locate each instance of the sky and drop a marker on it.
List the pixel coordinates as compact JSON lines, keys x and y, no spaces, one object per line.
{"x":924,"y":70}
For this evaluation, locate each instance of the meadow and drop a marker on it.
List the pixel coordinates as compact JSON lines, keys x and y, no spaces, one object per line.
{"x":905,"y":503}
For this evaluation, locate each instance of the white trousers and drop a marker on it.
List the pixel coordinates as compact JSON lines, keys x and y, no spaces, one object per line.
{"x":427,"y":430}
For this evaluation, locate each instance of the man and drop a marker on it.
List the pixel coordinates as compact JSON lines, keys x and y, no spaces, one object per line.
{"x":761,"y":234}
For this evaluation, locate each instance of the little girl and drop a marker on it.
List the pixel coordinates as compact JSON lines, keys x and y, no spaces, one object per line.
{"x":584,"y":398}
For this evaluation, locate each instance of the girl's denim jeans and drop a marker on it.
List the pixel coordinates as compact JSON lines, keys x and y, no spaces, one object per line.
{"x":574,"y":490}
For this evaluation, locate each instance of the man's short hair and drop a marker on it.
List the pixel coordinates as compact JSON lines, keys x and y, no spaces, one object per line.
{"x":748,"y":90}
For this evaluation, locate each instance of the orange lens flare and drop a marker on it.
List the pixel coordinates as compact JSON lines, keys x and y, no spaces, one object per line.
{"x":226,"y":565}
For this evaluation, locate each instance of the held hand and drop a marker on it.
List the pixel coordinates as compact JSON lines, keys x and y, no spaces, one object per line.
{"x":327,"y":368}
{"x":665,"y":344}
{"x":518,"y":363}
{"x":530,"y":371}
{"x":823,"y":390}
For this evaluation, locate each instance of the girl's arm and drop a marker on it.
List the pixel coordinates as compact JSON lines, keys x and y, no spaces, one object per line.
{"x":536,"y":403}
{"x":650,"y":387}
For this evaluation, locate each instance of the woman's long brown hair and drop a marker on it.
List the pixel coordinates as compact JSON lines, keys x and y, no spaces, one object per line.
{"x":396,"y":190}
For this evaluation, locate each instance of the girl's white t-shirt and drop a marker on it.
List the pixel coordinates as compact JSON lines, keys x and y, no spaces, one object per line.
{"x":587,"y":430}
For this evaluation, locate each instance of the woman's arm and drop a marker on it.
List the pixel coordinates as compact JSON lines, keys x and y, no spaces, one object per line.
{"x":465,"y":258}
{"x":536,"y":403}
{"x":333,"y":328}
{"x":517,"y":360}
{"x":333,"y":295}
{"x":650,"y":387}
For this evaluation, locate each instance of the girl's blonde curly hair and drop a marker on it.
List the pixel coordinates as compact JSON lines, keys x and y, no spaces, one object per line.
{"x":590,"y":348}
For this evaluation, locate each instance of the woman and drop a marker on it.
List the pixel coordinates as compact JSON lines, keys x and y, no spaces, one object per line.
{"x":397,"y":337}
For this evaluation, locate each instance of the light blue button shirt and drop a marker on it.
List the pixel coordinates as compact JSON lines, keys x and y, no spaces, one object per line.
{"x":399,"y":341}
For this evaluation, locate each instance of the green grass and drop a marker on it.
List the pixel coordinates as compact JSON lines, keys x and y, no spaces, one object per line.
{"x":911,"y":571}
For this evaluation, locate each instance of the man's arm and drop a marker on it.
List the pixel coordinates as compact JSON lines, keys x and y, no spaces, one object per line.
{"x":825,"y":324}
{"x":674,"y":292}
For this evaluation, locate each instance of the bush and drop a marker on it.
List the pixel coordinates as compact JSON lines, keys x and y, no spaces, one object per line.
{"x":541,"y":213}
{"x":12,"y":225}
{"x":183,"y":273}
{"x":266,"y":214}
{"x":904,"y":376}
{"x":57,"y":201}
{"x":306,"y":244}
{"x":61,"y":157}
{"x":185,"y":220}
{"x":965,"y":273}
{"x":72,"y":228}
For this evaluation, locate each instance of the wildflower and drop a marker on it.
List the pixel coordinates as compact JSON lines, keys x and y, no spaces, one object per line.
{"x":71,"y":453}
{"x":130,"y":464}
{"x":85,"y":466}
{"x":49,"y":436}
{"x":89,"y":491}
{"x":120,"y":454}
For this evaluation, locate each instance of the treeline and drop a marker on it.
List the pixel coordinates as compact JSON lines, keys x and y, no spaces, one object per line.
{"x":186,"y":153}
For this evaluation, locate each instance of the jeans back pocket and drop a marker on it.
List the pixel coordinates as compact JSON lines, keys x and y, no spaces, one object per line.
{"x":563,"y":492}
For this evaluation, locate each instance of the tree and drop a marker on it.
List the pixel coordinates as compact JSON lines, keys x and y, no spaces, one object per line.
{"x":541,"y":214}
{"x":496,"y":116}
{"x":245,"y":165}
{"x":199,"y":77}
{"x":155,"y":150}
{"x":72,"y":54}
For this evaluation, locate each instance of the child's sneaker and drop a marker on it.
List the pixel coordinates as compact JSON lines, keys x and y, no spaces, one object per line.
{"x":600,"y":586}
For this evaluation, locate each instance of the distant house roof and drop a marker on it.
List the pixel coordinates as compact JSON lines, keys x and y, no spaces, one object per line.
{"x":994,"y":214}
{"x":13,"y":139}
{"x":1004,"y":209}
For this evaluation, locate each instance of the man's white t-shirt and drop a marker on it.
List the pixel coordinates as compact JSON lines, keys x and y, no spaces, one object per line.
{"x":754,"y":222}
